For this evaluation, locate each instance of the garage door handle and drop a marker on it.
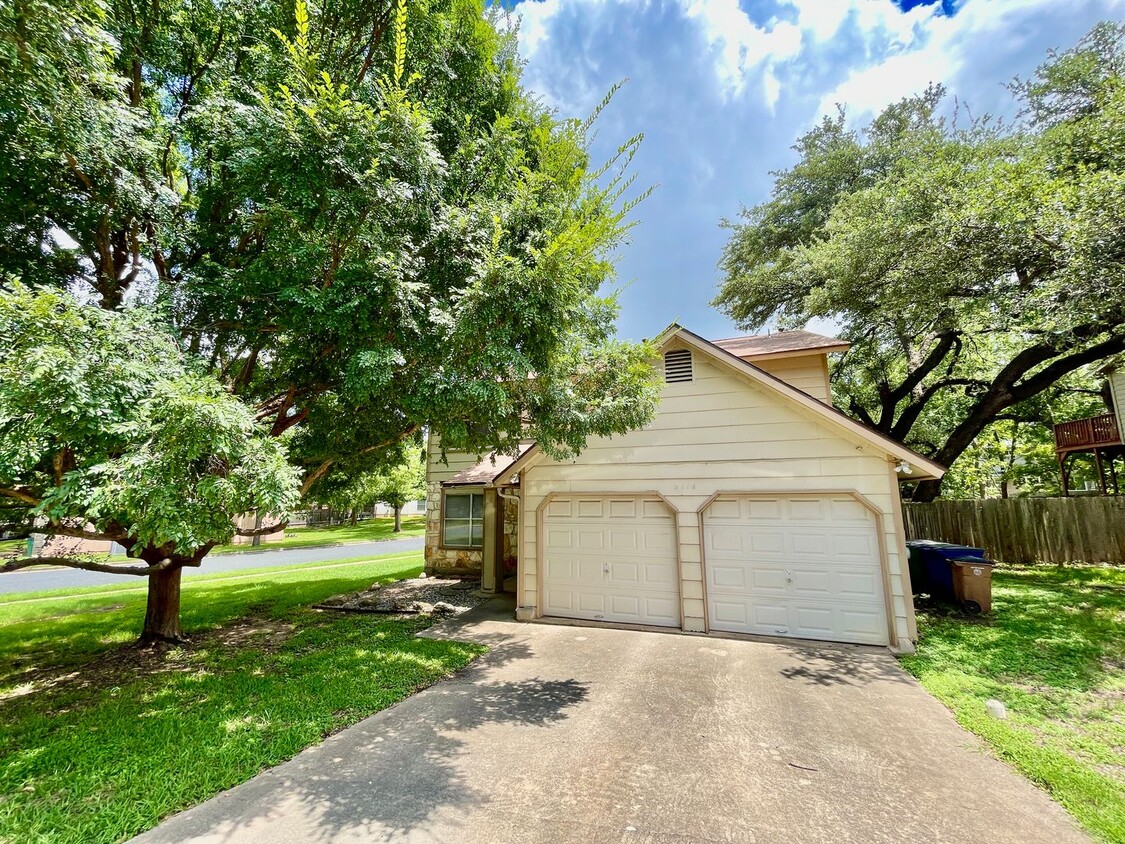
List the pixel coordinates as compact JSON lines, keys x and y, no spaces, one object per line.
{"x":605,"y":568}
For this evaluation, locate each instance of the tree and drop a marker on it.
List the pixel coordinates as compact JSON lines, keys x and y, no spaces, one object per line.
{"x":356,"y":222}
{"x":394,"y":486}
{"x":974,"y":264}
{"x":401,"y":484}
{"x":108,"y":431}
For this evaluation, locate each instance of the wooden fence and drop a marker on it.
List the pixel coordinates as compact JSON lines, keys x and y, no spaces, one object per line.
{"x":1088,"y":529}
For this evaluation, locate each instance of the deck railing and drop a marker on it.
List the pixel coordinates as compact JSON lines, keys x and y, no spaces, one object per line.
{"x":1087,"y":433}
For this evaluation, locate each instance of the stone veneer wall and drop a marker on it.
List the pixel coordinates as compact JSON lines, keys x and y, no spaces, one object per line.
{"x":445,"y":560}
{"x":458,"y":561}
{"x":511,"y":532}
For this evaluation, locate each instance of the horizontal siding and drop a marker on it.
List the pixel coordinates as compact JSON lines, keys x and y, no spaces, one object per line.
{"x":805,"y":372}
{"x":718,"y":433}
{"x":1117,"y":392}
{"x":457,"y":461}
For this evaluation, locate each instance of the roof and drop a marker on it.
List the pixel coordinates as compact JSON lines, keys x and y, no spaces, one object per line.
{"x":780,"y":343}
{"x":488,"y":470}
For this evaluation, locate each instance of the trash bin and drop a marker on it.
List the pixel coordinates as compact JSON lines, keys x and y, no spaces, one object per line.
{"x":932,"y":569}
{"x":972,"y":583}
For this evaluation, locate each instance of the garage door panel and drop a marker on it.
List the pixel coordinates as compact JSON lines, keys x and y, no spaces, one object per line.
{"x":612,"y":560}
{"x":795,"y":566}
{"x":727,"y":577}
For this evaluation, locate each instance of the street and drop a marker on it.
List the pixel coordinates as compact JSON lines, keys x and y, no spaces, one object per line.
{"x":32,"y":580}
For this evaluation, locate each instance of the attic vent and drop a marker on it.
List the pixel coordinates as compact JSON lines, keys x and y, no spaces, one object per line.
{"x":677,"y":366}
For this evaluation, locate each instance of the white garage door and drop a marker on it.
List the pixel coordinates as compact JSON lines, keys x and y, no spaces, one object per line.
{"x":610,"y":559}
{"x":795,"y":566}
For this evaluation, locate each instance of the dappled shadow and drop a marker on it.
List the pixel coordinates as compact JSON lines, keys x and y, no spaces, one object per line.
{"x":840,"y":665}
{"x":393,"y":775}
{"x":1061,"y":628}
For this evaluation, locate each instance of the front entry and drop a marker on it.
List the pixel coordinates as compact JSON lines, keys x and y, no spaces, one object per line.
{"x":610,"y":559}
{"x":803,"y":566}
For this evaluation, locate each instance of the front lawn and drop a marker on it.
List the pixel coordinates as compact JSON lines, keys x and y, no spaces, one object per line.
{"x":369,"y":530}
{"x":99,"y":740}
{"x":1054,"y":652}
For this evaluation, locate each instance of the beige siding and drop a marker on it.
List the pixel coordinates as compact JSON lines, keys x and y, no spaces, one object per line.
{"x":436,"y":471}
{"x":720,"y":432}
{"x":1117,"y":392}
{"x":805,"y":372}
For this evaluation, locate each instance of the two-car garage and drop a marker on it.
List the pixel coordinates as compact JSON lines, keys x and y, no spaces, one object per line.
{"x":799,"y":565}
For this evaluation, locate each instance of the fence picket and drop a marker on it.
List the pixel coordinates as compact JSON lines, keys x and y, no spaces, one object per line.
{"x":1088,"y":529}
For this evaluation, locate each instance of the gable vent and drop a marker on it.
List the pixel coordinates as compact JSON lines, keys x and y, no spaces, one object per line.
{"x":677,"y":366}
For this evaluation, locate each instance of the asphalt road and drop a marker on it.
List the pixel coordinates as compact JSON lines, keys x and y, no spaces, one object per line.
{"x":31,"y":580}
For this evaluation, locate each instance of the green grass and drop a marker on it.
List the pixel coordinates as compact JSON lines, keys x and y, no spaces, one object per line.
{"x":370,"y":530}
{"x":1054,"y":652}
{"x":100,"y":741}
{"x":12,"y":546}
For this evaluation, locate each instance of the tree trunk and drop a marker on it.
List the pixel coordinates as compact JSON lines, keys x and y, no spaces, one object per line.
{"x":398,"y":518}
{"x":162,"y":618}
{"x":353,"y":518}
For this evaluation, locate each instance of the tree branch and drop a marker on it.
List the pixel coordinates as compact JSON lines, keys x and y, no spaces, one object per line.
{"x":262,"y":531}
{"x":86,"y":565}
{"x":20,"y":495}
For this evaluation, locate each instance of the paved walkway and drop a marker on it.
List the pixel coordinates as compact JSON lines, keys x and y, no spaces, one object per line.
{"x":32,"y":580}
{"x":571,"y":734}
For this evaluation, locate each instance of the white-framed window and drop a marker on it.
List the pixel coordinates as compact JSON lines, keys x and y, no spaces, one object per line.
{"x":463,"y":520}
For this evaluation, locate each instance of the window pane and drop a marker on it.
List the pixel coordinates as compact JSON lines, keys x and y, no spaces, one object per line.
{"x":457,"y":532}
{"x":478,"y":534}
{"x":478,"y":506}
{"x":457,"y":506}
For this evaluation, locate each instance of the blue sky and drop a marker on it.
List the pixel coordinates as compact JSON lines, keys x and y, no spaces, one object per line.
{"x":722,"y":88}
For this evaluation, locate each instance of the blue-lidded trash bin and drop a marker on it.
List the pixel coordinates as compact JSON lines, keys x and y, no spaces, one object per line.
{"x":931,"y":566}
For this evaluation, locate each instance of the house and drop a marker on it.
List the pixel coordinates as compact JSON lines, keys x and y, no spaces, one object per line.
{"x":748,"y":505}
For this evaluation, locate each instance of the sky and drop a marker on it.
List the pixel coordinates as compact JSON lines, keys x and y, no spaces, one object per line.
{"x":722,"y":88}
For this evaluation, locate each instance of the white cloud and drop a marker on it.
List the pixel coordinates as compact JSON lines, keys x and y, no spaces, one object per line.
{"x":722,"y":88}
{"x":738,"y":46}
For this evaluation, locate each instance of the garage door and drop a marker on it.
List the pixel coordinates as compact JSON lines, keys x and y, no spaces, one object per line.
{"x":807,"y":567}
{"x":610,"y":559}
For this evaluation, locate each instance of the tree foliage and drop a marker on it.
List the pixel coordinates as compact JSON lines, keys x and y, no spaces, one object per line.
{"x":107,"y":430}
{"x":394,"y":485}
{"x":352,"y":218}
{"x":973,"y":267}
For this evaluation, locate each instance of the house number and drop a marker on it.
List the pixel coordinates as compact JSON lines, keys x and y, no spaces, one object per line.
{"x":685,"y":487}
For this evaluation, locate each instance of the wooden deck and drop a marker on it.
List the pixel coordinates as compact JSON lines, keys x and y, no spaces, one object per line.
{"x":1087,"y":434}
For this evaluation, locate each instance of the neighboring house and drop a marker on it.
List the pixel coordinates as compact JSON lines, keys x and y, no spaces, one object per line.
{"x":1101,"y":436}
{"x":748,"y":505}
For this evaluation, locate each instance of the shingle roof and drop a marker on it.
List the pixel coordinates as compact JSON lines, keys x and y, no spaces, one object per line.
{"x":488,"y":469}
{"x":780,"y":342}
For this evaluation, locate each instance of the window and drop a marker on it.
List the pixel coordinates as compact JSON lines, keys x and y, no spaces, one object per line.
{"x":677,"y":366}
{"x":463,"y":520}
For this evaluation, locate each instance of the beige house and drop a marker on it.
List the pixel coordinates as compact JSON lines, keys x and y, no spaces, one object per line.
{"x":748,"y":505}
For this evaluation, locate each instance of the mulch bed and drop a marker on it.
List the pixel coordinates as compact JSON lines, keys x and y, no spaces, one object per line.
{"x":433,"y":595}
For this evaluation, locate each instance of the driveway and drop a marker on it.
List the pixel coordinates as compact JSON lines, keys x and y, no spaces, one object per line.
{"x":572,"y":734}
{"x":32,"y":579}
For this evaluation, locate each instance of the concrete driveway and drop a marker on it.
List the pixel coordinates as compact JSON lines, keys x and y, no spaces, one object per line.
{"x":572,"y":734}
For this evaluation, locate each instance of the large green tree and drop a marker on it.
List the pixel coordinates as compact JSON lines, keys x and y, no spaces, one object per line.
{"x":354,"y":218}
{"x":973,"y":266}
{"x":394,"y":485}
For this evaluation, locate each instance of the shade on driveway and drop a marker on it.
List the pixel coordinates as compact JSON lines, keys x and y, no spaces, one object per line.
{"x":571,"y":734}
